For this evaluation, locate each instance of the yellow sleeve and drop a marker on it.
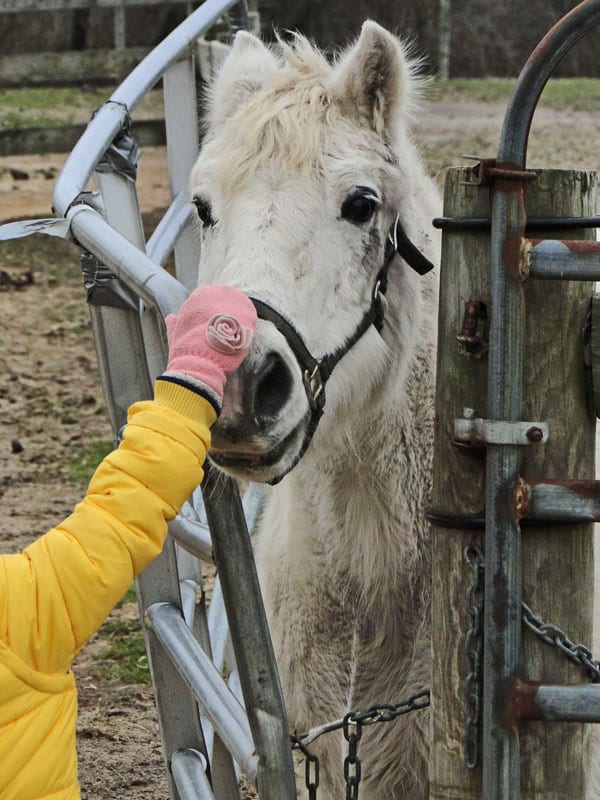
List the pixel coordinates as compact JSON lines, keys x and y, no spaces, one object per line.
{"x":55,"y":594}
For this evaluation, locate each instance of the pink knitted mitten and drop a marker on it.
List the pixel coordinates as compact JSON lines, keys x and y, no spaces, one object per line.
{"x":208,"y":339}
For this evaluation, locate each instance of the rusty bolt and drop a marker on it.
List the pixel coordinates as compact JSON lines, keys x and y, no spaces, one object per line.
{"x":468,"y":336}
{"x":535,"y":434}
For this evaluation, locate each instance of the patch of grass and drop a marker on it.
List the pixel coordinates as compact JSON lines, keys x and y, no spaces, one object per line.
{"x":580,"y":94}
{"x":130,"y":596}
{"x":477,"y":90}
{"x":57,"y":106}
{"x":562,"y":94}
{"x":86,"y":458}
{"x":125,"y":658}
{"x":47,"y":107}
{"x":15,"y":118}
{"x":50,"y":98}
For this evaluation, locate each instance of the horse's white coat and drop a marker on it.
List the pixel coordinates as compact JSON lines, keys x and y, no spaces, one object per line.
{"x":343,"y":549}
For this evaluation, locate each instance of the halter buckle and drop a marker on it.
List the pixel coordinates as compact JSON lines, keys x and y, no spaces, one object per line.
{"x":314,"y":385}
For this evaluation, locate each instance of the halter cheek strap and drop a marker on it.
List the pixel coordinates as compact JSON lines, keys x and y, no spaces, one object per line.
{"x":316,"y":372}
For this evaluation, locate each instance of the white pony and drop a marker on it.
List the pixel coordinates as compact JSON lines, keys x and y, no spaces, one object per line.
{"x":304,"y":169}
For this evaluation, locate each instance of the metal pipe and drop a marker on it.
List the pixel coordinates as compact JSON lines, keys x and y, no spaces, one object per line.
{"x":162,"y":241}
{"x":502,"y":603}
{"x":188,"y":768}
{"x":535,"y":701}
{"x":569,"y":260}
{"x":193,"y":537}
{"x":148,"y":280}
{"x":208,"y":687}
{"x":189,"y":591}
{"x":250,"y":637}
{"x":562,"y":501}
{"x":502,"y":634}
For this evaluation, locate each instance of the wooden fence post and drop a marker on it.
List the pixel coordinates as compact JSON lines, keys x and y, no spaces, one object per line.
{"x":557,"y":560}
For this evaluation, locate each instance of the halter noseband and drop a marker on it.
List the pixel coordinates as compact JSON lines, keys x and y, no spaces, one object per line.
{"x":316,"y":372}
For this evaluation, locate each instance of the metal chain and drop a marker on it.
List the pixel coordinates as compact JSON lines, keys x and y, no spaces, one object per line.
{"x":553,"y":635}
{"x":473,"y":555}
{"x":352,"y":767}
{"x":311,"y":767}
{"x":352,"y":725}
{"x":549,"y":633}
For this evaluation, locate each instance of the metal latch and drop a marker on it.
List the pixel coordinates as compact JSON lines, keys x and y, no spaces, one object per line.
{"x":475,"y":430}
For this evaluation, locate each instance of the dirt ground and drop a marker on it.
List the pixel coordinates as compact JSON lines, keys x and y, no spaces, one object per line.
{"x":51,"y":403}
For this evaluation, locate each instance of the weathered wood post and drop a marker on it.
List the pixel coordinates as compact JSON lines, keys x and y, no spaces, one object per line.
{"x":557,"y":559}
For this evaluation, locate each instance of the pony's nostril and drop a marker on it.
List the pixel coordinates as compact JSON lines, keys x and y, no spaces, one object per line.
{"x":272,"y":386}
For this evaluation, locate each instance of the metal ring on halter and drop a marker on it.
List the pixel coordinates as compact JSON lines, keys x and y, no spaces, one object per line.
{"x":314,"y":385}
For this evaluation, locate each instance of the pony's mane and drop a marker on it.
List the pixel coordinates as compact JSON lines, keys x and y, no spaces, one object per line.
{"x":284,"y":118}
{"x":287,"y":121}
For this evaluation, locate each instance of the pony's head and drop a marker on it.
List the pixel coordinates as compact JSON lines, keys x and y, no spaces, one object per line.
{"x":304,"y":169}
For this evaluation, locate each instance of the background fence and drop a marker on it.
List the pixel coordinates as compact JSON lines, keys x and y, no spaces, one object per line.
{"x":479,"y":37}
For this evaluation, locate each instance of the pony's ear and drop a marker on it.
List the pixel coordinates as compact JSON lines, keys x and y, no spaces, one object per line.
{"x":373,"y":79}
{"x":247,"y":69}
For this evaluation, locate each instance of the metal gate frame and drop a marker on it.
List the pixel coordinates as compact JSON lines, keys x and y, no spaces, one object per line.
{"x":208,"y":736}
{"x":512,"y":255}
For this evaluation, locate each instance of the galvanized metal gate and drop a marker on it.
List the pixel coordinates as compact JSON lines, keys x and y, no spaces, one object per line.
{"x":211,"y":728}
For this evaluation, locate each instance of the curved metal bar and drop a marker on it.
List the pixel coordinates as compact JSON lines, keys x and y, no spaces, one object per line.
{"x":266,"y":711}
{"x":114,"y":115}
{"x":209,"y":688}
{"x":502,"y":602}
{"x":534,"y":75}
{"x":161,"y":243}
{"x":189,"y":773}
{"x":148,"y":280}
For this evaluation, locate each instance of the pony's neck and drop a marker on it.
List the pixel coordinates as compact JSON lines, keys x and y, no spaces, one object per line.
{"x":362,"y":485}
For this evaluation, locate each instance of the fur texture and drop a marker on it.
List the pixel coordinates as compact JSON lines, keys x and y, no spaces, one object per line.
{"x":343,"y":549}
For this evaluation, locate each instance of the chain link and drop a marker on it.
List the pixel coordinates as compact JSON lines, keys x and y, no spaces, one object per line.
{"x":553,"y":635}
{"x":352,"y":727}
{"x":311,"y":767}
{"x":473,"y":556}
{"x":549,"y":633}
{"x":352,"y":767}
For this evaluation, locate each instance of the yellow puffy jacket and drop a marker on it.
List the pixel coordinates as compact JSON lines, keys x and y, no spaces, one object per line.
{"x":56,"y":593}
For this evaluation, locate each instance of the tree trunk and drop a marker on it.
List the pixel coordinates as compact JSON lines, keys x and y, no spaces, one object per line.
{"x":444,"y":40}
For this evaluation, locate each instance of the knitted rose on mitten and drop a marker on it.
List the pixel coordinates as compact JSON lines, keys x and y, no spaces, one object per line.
{"x":208,"y":339}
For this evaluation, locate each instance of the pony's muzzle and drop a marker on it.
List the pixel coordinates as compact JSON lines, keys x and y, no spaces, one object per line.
{"x":255,"y":398}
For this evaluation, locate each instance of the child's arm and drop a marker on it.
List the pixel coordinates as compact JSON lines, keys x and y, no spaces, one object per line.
{"x":55,"y":594}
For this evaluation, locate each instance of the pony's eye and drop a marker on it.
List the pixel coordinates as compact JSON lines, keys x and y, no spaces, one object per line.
{"x":359,"y":207}
{"x":204,"y":211}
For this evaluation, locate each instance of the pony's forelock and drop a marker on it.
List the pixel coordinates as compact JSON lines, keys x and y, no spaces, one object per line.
{"x":288,"y":121}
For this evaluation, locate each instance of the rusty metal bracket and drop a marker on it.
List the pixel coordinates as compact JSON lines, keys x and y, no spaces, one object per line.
{"x":487,"y":170}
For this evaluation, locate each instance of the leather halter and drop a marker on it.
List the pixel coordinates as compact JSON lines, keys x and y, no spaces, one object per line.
{"x":316,"y":372}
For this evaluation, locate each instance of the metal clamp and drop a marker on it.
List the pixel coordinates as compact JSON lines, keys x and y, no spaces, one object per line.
{"x":475,"y":430}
